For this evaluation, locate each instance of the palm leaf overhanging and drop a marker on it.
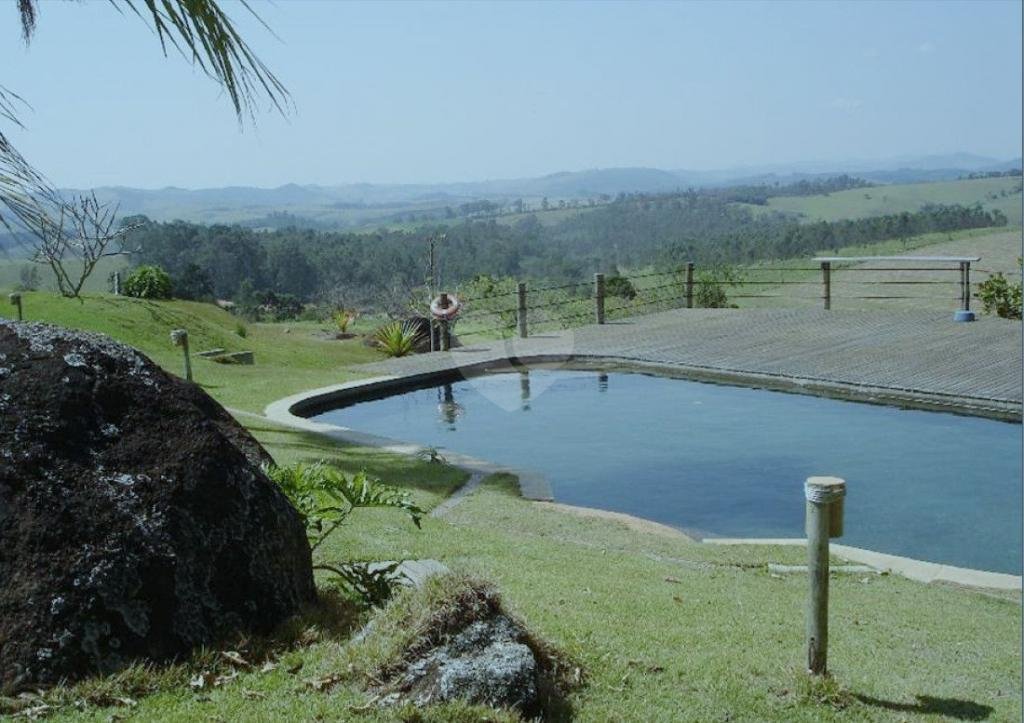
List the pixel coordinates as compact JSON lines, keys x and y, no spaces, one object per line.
{"x":198,"y":29}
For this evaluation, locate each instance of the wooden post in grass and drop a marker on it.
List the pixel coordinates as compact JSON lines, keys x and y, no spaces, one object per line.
{"x":446,"y":339}
{"x":521,"y":308}
{"x":599,"y":297}
{"x":179,"y":337}
{"x":826,"y":283}
{"x":16,"y":301}
{"x":824,"y":497}
{"x":689,"y":284}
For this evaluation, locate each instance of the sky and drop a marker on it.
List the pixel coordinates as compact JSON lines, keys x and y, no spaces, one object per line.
{"x":394,"y":92}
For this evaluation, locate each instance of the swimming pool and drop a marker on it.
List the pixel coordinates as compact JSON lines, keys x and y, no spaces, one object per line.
{"x":731,"y":461}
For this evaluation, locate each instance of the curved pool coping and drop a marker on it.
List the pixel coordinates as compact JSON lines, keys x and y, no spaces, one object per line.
{"x":533,"y":485}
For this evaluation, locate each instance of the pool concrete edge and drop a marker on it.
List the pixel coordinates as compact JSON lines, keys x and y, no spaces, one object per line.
{"x":535,"y":486}
{"x":917,"y":570}
{"x":532,"y":485}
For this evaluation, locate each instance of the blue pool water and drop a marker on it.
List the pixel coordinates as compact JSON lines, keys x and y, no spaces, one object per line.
{"x":731,"y":461}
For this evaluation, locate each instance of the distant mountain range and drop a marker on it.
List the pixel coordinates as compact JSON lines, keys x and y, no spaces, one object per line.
{"x":360,"y":203}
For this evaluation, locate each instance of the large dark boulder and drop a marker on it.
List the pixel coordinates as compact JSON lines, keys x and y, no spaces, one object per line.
{"x":135,"y":522}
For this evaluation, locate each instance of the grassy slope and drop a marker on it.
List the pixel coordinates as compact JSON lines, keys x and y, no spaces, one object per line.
{"x":722,"y":640}
{"x":664,"y":629}
{"x":881,"y":200}
{"x":289,"y":358}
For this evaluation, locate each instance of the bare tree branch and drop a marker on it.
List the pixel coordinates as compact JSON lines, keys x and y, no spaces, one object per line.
{"x":29,"y":204}
{"x":73,"y":237}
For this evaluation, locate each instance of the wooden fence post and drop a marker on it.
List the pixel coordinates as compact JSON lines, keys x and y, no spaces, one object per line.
{"x":446,"y":339}
{"x":689,"y":284}
{"x":521,"y":309}
{"x":824,"y":497}
{"x":965,"y":285}
{"x":16,"y":301}
{"x":179,"y":337}
{"x":599,"y":297}
{"x":826,"y":282}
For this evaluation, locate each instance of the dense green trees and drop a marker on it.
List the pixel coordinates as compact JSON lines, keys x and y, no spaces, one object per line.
{"x":361,"y":270}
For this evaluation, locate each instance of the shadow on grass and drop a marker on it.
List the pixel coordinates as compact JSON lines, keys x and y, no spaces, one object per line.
{"x":332,"y":617}
{"x":393,"y":469}
{"x":929,"y":705}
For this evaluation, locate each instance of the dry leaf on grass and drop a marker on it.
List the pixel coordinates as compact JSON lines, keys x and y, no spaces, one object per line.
{"x":235,"y":658}
{"x":325,"y":683}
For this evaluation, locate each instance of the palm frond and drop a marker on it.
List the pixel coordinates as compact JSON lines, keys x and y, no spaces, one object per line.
{"x":27,"y":10}
{"x":203,"y":33}
{"x":26,"y":197}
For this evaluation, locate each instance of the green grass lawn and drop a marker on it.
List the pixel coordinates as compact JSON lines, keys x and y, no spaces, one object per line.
{"x":663,"y":628}
{"x":992,"y":193}
{"x":289,"y":357}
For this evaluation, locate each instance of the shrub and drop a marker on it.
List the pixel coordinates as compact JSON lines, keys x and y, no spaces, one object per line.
{"x":710,"y":292}
{"x":241,"y":330}
{"x":398,"y":338}
{"x":619,"y":286}
{"x":998,"y":295}
{"x":266,"y":305}
{"x":325,"y":497}
{"x":148,"y":282}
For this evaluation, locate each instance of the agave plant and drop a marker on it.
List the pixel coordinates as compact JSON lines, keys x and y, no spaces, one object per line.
{"x":398,"y":338}
{"x":344,"y":317}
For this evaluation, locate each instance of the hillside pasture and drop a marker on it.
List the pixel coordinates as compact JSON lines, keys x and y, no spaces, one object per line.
{"x":11,"y":266}
{"x":1003,"y":194}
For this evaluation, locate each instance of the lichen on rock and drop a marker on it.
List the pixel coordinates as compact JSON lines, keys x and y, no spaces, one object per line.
{"x":135,"y":521}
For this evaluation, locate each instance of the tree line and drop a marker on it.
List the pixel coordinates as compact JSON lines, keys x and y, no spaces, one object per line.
{"x":365,"y":269}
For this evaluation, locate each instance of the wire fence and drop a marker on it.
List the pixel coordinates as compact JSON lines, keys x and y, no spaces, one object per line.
{"x":616,"y":297}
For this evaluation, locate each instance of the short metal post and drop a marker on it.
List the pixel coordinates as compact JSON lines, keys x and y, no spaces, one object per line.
{"x":446,"y":340}
{"x":521,"y":309}
{"x":179,"y":337}
{"x":599,"y":297}
{"x":824,"y":497}
{"x":117,"y":283}
{"x":16,"y":301}
{"x":689,"y":284}
{"x":826,"y":282}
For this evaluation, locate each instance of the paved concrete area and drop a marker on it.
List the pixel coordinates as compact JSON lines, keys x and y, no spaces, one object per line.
{"x":914,"y":358}
{"x":913,"y":569}
{"x":911,"y":358}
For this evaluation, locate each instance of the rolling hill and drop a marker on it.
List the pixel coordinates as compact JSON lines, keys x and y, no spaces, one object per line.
{"x":1003,"y":194}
